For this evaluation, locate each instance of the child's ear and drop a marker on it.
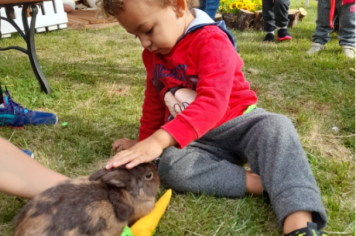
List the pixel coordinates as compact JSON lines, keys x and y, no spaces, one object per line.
{"x":181,"y":7}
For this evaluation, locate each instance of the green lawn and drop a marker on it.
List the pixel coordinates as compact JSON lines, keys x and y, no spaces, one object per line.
{"x":98,"y":79}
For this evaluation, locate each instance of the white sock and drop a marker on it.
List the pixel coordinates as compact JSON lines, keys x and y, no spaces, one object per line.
{"x":282,"y":27}
{"x":272,"y":32}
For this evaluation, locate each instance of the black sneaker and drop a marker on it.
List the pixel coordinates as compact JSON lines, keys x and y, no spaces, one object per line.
{"x":269,"y":38}
{"x":283,"y":35}
{"x":311,"y":230}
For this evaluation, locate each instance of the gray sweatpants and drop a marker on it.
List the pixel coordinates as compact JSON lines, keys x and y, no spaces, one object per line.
{"x":346,"y":32}
{"x":275,"y":13}
{"x":269,"y":143}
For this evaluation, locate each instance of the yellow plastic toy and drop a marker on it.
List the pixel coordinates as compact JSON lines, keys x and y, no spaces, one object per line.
{"x":147,"y":224}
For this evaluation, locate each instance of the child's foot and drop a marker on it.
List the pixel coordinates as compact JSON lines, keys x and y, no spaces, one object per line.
{"x":283,"y":35}
{"x":269,"y":38}
{"x":311,"y":230}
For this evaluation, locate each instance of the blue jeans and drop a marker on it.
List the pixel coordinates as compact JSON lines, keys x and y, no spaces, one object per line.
{"x":210,"y":7}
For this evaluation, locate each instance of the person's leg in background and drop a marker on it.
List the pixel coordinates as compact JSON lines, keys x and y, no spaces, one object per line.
{"x":22,"y":176}
{"x":210,"y":7}
{"x":281,"y":8}
{"x":268,"y":19}
{"x":322,"y":30}
{"x":346,"y":31}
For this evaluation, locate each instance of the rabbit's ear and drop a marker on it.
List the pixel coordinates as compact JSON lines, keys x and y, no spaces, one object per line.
{"x":115,"y":177}
{"x":97,"y":175}
{"x":118,"y":178}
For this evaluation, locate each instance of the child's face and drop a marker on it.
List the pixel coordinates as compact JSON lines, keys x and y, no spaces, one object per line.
{"x":157,"y":28}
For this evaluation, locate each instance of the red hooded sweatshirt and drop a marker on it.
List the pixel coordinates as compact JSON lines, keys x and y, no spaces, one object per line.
{"x":195,"y":88}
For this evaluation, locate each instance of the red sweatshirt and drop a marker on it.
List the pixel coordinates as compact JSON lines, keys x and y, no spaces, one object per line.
{"x":198,"y":86}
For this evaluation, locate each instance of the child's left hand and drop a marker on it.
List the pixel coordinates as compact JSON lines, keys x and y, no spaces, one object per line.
{"x":142,"y":152}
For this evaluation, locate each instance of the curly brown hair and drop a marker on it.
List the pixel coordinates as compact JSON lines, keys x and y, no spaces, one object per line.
{"x":110,"y":8}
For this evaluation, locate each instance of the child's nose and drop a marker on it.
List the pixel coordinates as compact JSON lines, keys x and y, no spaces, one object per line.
{"x":145,"y":42}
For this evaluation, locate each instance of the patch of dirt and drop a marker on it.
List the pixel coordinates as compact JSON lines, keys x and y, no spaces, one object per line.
{"x":252,"y":71}
{"x":329,"y":146}
{"x":117,"y":90}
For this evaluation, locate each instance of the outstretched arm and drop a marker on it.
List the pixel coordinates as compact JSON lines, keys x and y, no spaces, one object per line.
{"x":22,"y":176}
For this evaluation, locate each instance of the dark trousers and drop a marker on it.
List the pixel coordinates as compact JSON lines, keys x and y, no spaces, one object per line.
{"x":275,"y":13}
{"x":346,"y":16}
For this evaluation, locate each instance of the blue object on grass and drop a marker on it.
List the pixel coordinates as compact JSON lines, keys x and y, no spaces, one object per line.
{"x":13,"y":114}
{"x":28,"y":152}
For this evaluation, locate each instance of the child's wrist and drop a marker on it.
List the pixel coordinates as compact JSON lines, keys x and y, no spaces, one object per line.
{"x":163,"y":138}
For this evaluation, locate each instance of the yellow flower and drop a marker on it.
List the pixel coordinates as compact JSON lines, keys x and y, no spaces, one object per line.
{"x":247,"y":6}
{"x":239,"y":5}
{"x":220,"y":7}
{"x":222,"y":1}
{"x":251,"y":7}
{"x":233,"y":5}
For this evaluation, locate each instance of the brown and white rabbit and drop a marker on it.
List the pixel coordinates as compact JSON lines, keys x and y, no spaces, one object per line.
{"x":100,"y":204}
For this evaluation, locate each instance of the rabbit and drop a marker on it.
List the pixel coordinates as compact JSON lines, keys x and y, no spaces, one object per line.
{"x":100,"y":204}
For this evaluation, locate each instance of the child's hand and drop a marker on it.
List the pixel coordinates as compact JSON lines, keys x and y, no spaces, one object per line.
{"x":142,"y":152}
{"x":123,"y":143}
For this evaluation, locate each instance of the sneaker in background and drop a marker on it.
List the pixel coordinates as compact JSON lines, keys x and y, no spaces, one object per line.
{"x":348,"y":51}
{"x":269,"y":38}
{"x":13,"y":114}
{"x":28,"y":152}
{"x":283,"y":35}
{"x":316,"y":47}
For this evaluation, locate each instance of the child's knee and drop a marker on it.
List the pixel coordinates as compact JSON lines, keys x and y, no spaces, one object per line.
{"x":277,"y":123}
{"x":172,"y":175}
{"x":172,"y":179}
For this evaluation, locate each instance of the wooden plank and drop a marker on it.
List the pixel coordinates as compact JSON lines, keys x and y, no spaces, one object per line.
{"x":101,"y":26}
{"x":79,"y":19}
{"x":19,"y":2}
{"x":89,"y":16}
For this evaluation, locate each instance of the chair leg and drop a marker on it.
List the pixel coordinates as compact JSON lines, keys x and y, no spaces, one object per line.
{"x":30,"y":40}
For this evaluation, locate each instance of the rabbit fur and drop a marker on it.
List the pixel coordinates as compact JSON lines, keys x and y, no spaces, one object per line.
{"x":98,"y":205}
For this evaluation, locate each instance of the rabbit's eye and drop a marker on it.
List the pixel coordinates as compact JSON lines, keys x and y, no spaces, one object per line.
{"x":149,"y":176}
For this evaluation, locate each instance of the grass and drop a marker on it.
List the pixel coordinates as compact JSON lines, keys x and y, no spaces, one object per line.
{"x":97,"y":80}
